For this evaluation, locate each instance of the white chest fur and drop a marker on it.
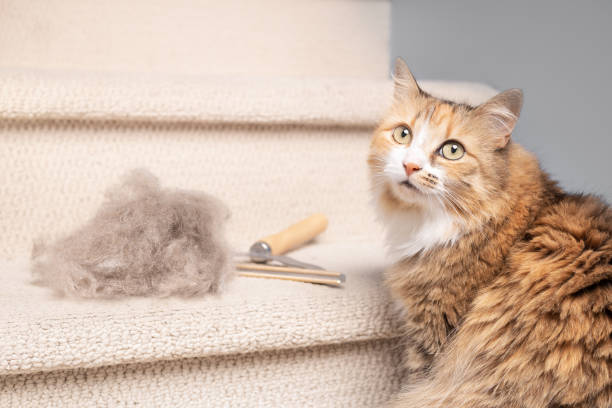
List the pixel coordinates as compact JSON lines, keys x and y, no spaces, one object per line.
{"x":409,"y":231}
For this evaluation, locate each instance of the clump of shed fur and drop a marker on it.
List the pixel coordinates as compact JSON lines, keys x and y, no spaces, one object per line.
{"x":144,"y":240}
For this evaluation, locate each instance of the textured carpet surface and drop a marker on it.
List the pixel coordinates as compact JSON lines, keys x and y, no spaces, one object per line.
{"x":357,"y":375}
{"x":31,"y":94}
{"x":44,"y":332}
{"x":261,"y":343}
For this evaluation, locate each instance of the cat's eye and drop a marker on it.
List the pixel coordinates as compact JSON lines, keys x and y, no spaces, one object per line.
{"x":402,"y":135}
{"x":452,"y":150}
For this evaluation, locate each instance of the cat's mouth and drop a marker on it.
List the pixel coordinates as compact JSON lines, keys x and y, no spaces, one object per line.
{"x":408,"y":192}
{"x":409,"y":185}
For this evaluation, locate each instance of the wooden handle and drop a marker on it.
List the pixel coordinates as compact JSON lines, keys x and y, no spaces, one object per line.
{"x":296,"y":235}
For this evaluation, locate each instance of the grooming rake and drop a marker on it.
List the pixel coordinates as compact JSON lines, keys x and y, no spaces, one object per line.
{"x":268,"y":261}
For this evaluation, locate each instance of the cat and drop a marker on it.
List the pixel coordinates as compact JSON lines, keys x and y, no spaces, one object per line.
{"x":505,"y":280}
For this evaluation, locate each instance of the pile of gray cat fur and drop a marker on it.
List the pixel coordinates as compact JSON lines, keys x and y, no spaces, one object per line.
{"x":144,"y":240}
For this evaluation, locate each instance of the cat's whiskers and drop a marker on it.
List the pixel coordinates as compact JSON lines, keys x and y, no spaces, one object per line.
{"x":454,"y":201}
{"x":378,"y":175}
{"x":476,"y":219}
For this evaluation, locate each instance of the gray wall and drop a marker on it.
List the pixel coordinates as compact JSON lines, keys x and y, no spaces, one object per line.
{"x":558,"y":52}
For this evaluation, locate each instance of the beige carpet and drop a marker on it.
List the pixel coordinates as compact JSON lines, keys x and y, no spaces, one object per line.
{"x":260,"y":343}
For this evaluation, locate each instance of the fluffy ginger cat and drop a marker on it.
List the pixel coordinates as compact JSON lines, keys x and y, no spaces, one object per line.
{"x":505,"y":280}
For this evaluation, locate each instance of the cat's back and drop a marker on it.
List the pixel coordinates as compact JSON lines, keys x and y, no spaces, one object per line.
{"x":568,"y":246}
{"x":555,"y":300}
{"x":562,"y":266}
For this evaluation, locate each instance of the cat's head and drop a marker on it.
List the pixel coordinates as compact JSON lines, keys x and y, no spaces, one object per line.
{"x":431,"y":152}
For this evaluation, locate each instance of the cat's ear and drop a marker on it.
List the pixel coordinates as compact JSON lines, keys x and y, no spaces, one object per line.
{"x":405,"y":84}
{"x":499,"y":115}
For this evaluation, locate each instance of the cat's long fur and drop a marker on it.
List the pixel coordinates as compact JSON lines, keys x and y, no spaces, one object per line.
{"x":511,"y":306}
{"x":144,"y":240}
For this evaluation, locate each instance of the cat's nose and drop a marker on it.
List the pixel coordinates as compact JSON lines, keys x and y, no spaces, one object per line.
{"x":411,"y":168}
